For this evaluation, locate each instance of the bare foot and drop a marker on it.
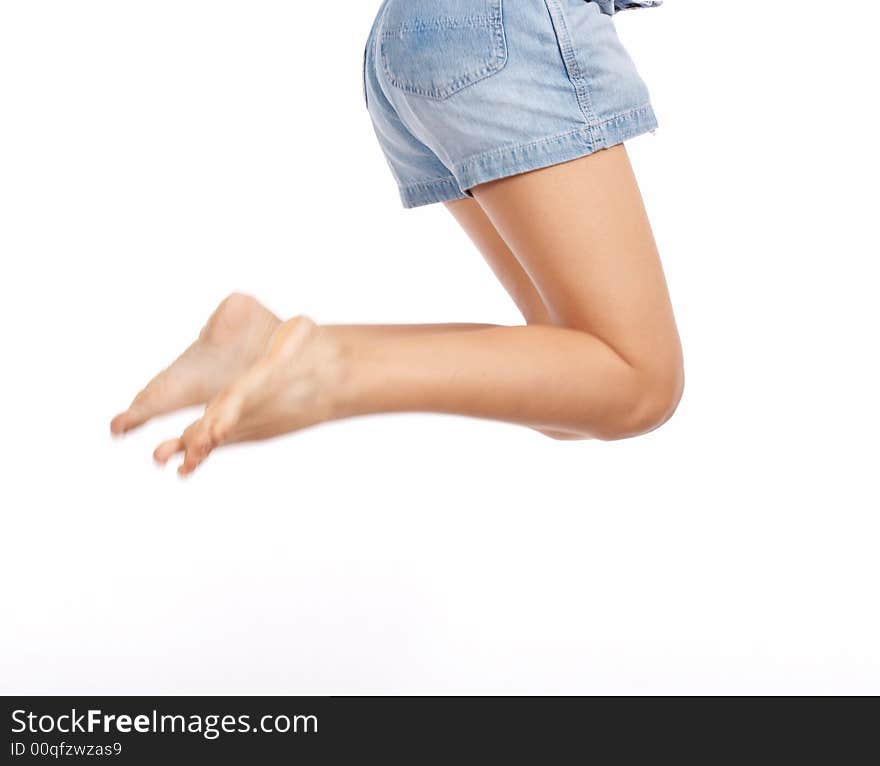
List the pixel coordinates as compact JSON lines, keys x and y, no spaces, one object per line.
{"x":236,"y":335}
{"x":288,"y":389}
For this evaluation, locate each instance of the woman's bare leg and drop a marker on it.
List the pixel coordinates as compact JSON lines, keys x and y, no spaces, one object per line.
{"x":239,"y":330}
{"x":235,"y":336}
{"x":608,"y":367}
{"x":501,"y":259}
{"x":509,"y":271}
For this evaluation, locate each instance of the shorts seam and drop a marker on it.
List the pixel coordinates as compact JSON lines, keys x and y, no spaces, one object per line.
{"x":519,"y":147}
{"x":432,"y":182}
{"x":549,"y":139}
{"x":502,"y":162}
{"x":467,"y":22}
{"x":572,"y":66}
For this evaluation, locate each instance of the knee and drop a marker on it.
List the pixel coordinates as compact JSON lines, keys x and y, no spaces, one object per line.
{"x":654,"y":399}
{"x":656,"y":396}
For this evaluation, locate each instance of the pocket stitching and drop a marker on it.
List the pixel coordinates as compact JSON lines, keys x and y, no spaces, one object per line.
{"x":493,"y":22}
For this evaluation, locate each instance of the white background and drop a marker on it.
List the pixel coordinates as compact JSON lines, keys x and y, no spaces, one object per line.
{"x":155,"y":156}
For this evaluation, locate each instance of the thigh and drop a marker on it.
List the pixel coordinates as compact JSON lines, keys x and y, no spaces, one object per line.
{"x":581,"y":234}
{"x":501,"y":259}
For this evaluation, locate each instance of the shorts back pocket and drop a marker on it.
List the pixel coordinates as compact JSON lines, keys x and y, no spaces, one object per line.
{"x":435,"y":49}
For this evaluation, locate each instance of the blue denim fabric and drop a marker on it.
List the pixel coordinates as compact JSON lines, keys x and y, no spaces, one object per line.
{"x":613,"y":6}
{"x":462,"y":92}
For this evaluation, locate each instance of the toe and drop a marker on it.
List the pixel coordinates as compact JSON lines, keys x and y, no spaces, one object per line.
{"x":168,"y":449}
{"x":192,"y":459}
{"x":118,"y":425}
{"x":173,"y":389}
{"x":198,"y":445}
{"x":146,"y":405}
{"x":142,"y":409}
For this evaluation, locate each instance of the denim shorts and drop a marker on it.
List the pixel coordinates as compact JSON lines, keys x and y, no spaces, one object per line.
{"x":462,"y":92}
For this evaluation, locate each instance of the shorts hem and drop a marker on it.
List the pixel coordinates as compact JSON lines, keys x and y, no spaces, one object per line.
{"x":431,"y":192}
{"x":563,"y":147}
